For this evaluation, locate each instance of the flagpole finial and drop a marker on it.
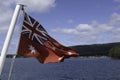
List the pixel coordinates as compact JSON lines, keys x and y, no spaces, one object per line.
{"x":22,"y":6}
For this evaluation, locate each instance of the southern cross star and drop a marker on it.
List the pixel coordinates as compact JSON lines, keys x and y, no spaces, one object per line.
{"x":33,"y":51}
{"x":70,"y":53}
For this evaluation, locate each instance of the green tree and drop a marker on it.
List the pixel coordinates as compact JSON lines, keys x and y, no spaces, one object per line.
{"x":115,"y":52}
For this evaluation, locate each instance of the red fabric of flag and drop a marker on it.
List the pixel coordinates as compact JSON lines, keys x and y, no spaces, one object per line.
{"x":35,"y":42}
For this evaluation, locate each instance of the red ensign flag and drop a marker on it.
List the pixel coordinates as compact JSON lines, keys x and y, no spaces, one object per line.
{"x":35,"y":42}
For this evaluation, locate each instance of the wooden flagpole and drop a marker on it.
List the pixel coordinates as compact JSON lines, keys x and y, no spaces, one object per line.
{"x":9,"y":36}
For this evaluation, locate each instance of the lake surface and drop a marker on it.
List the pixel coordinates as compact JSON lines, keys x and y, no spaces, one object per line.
{"x":71,"y":69}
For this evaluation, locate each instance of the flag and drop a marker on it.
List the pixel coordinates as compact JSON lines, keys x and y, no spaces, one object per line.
{"x":36,"y":42}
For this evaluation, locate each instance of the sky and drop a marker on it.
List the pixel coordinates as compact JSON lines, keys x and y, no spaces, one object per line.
{"x":70,"y":22}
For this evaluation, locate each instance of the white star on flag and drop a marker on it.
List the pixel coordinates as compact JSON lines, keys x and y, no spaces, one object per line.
{"x":69,"y":53}
{"x":32,"y":49}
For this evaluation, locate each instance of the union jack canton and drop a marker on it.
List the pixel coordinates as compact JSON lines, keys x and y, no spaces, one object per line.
{"x":33,"y":30}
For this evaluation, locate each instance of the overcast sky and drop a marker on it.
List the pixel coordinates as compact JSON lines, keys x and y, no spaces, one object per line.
{"x":71,"y":22}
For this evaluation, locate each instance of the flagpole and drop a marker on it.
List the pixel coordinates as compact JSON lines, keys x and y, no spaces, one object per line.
{"x":9,"y":36}
{"x":11,"y":67}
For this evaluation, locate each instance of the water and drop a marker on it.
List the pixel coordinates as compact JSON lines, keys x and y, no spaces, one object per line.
{"x":71,"y":69}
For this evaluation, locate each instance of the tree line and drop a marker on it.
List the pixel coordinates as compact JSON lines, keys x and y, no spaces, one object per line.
{"x":109,"y":49}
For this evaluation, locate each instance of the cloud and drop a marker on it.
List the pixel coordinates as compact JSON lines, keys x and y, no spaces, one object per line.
{"x":115,"y":19}
{"x":94,"y":32}
{"x":5,"y":17}
{"x":37,"y":5}
{"x":7,"y":9}
{"x":85,"y":29}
